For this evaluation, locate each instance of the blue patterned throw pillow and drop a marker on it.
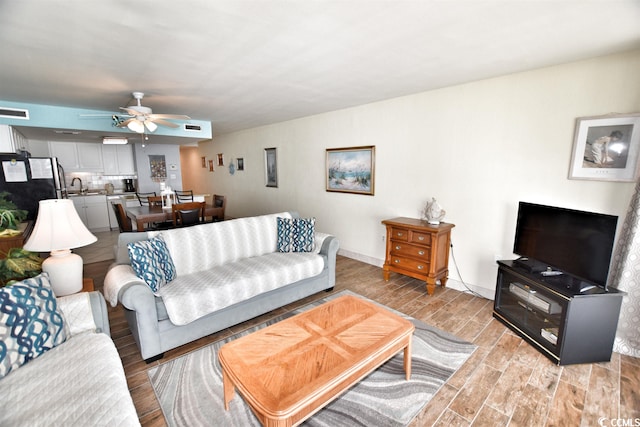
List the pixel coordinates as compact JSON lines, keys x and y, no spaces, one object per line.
{"x":152,"y":262}
{"x":303,"y":233}
{"x":285,"y":234}
{"x":30,"y":322}
{"x":296,"y":235}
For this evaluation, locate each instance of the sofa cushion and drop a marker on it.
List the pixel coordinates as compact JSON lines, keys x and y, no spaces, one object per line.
{"x":30,"y":322}
{"x":207,"y":246}
{"x":152,"y":262}
{"x":78,"y":383}
{"x":192,"y":296}
{"x":296,"y":234}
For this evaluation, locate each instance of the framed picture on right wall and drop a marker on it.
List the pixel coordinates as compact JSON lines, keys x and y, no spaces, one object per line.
{"x":606,"y":148}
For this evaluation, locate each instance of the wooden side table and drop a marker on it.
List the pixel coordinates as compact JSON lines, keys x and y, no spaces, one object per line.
{"x":87,"y":285}
{"x":418,"y":249}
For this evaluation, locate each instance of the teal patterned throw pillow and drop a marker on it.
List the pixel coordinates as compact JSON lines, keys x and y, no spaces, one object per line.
{"x":30,"y":322}
{"x":152,"y":262}
{"x":296,"y":235}
{"x":304,"y":231}
{"x":285,"y":234}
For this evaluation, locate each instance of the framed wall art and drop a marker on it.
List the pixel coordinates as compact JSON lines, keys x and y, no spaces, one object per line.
{"x":606,"y":148}
{"x":240,"y":162}
{"x":351,"y":170}
{"x":210,"y":165}
{"x":220,"y":159}
{"x":204,"y":161}
{"x":271,"y":167}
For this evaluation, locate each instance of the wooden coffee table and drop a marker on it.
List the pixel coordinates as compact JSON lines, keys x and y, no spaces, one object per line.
{"x":288,"y":371}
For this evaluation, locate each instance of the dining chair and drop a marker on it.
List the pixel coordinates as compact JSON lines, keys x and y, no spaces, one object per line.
{"x":190,"y":213}
{"x":184,"y":196}
{"x":123,"y":222}
{"x":154,"y":200}
{"x":143,"y":198}
{"x":220,"y":203}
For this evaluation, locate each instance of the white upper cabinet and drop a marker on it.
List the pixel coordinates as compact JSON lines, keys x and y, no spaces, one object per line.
{"x":81,"y":156}
{"x":118,"y":160}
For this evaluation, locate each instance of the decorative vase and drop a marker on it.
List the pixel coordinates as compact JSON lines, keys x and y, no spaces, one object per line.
{"x":433,"y":212}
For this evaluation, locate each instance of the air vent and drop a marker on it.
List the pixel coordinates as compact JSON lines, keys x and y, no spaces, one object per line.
{"x":14,"y":113}
{"x":193,"y":128}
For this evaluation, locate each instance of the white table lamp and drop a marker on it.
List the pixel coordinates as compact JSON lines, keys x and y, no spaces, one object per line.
{"x":59,"y":229}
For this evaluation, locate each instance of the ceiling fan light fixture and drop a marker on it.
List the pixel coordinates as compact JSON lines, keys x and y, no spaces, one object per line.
{"x":150,"y":125}
{"x":136,"y":126}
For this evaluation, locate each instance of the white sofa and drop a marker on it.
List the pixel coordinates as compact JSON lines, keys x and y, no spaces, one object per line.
{"x":227,"y":272}
{"x":79,"y":382}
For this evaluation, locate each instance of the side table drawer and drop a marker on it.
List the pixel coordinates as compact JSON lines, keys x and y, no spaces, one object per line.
{"x":421,"y":267}
{"x":420,"y":238}
{"x":406,"y":249}
{"x":399,"y":234}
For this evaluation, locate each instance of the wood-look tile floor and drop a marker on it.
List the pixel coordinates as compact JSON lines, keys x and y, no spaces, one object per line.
{"x":505,"y":382}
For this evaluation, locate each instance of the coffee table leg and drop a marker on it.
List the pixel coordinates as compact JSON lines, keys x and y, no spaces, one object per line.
{"x":228,"y":389}
{"x":407,"y":360}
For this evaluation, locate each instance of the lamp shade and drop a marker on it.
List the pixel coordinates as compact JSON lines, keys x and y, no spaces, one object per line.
{"x":58,"y":227}
{"x":136,"y":126}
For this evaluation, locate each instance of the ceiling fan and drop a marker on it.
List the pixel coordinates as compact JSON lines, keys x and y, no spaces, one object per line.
{"x":140,"y":117}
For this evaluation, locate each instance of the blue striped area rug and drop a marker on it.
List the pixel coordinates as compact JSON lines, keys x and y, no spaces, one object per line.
{"x":189,"y":388}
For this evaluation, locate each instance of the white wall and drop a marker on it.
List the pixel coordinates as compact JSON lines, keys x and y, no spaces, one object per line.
{"x":479,"y":148}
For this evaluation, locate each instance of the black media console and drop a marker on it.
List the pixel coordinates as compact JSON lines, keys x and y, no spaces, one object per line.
{"x":567,"y":319}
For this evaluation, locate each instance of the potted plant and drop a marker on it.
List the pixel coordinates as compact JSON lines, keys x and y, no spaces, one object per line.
{"x":19,"y":264}
{"x":10,"y":215}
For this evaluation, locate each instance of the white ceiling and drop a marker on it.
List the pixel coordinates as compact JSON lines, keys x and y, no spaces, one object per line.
{"x":241,"y":63}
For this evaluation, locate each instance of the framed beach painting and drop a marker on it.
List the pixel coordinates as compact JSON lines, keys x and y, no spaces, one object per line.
{"x":351,"y":170}
{"x":271,"y":167}
{"x":606,"y":148}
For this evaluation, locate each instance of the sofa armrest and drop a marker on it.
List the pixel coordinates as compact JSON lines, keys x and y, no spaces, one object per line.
{"x":85,"y":311}
{"x":329,"y":248}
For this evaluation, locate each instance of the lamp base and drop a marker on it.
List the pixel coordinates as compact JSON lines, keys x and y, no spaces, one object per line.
{"x":65,"y":272}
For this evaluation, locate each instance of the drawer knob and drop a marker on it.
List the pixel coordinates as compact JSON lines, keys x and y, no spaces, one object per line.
{"x":400,"y":234}
{"x":397,"y":247}
{"x":420,"y":267}
{"x":397,"y":261}
{"x":420,"y":252}
{"x":420,"y":237}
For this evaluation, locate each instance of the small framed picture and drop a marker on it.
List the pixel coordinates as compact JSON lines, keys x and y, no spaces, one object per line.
{"x":240,"y":162}
{"x":204,"y":161}
{"x":220,"y":159}
{"x":351,"y":170}
{"x":210,"y":165}
{"x":271,"y":167}
{"x":606,"y":148}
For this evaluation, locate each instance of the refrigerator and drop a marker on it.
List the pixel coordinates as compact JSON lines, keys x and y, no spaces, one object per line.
{"x":31,"y":179}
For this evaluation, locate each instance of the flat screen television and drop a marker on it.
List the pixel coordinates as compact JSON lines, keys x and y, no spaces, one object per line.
{"x":575,"y":242}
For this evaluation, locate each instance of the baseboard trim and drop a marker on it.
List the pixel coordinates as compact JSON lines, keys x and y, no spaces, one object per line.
{"x":451,"y":283}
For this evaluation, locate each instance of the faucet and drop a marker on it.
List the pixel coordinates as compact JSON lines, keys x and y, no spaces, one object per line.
{"x":73,"y":181}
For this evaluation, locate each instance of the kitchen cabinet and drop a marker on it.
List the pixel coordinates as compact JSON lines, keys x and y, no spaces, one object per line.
{"x":38,"y":148}
{"x":118,"y":160}
{"x":93,"y":211}
{"x":11,"y":140}
{"x":78,"y":157}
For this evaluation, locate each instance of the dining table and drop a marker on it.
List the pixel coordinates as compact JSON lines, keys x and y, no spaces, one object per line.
{"x":141,"y":215}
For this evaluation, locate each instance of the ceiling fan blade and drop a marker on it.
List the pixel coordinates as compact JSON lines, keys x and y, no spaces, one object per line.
{"x":164,"y":123}
{"x":169,"y":116}
{"x":130,"y":111}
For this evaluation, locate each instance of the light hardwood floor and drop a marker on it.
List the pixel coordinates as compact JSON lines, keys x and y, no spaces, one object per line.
{"x":505,"y":382}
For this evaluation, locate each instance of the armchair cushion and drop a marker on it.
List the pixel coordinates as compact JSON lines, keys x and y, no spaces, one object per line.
{"x":30,"y":322}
